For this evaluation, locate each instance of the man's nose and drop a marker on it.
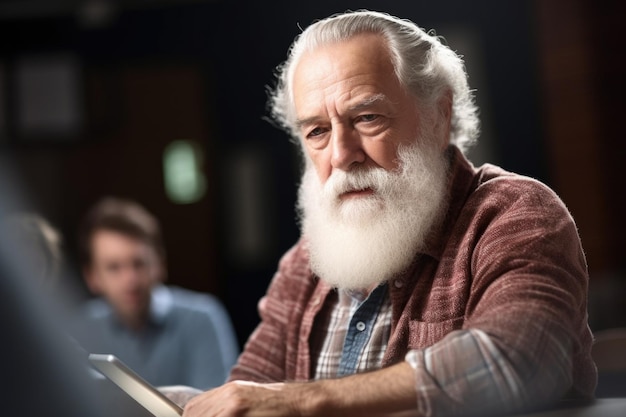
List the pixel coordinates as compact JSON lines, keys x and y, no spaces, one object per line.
{"x":347,"y":148}
{"x":132,"y":273}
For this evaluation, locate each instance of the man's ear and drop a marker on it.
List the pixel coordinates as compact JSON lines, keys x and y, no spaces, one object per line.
{"x":92,"y":280}
{"x":444,"y":118}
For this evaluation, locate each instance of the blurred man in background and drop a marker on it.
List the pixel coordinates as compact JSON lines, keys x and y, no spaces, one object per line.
{"x":169,"y":335}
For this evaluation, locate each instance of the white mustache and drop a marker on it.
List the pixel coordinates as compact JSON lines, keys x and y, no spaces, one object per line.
{"x":341,"y":182}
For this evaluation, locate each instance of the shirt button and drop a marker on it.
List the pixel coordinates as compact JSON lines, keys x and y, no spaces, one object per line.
{"x":398,"y":283}
{"x":360,"y":326}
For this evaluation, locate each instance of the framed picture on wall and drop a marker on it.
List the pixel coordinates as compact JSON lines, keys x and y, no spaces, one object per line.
{"x":48,"y":97}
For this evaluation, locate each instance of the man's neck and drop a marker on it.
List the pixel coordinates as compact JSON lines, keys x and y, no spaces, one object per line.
{"x":135,"y":324}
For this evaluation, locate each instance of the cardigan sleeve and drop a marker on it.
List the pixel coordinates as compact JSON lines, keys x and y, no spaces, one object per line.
{"x":267,"y":355}
{"x":525,"y":340}
{"x":467,"y":372}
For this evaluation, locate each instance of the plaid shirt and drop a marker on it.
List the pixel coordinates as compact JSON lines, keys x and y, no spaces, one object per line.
{"x":492,"y":316}
{"x":329,"y":344}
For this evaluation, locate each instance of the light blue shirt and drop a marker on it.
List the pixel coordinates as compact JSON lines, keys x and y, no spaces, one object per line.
{"x":189,"y":339}
{"x":360,"y":329}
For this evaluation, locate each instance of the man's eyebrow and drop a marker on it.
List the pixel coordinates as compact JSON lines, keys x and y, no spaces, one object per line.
{"x":369,"y":101}
{"x":363,"y":104}
{"x":305,"y":122}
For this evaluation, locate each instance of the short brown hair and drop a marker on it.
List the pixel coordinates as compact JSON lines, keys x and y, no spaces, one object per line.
{"x":122,"y":216}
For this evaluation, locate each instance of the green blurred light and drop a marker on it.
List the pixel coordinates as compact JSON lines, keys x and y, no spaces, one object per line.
{"x":183,"y":173}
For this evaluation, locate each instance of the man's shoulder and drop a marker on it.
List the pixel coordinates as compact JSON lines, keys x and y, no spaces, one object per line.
{"x":294,"y":276}
{"x":194,"y":312}
{"x":498,"y":186}
{"x":186,"y":300}
{"x":96,"y":309}
{"x":295,"y":262}
{"x":495,"y":189}
{"x":489,"y":174}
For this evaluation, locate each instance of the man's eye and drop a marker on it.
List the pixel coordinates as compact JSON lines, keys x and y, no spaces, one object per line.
{"x":368,"y":117}
{"x":139,"y":264}
{"x":113,"y":268}
{"x":315,"y":132}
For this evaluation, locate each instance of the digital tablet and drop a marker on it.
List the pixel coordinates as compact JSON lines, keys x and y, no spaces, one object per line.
{"x":135,"y":386}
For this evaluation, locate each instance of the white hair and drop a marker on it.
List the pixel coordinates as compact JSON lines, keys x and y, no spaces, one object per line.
{"x":423,"y":65}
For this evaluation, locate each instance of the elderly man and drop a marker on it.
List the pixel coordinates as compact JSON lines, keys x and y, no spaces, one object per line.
{"x":421,"y":285}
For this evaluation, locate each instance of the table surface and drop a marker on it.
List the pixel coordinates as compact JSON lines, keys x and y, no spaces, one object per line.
{"x":602,"y":407}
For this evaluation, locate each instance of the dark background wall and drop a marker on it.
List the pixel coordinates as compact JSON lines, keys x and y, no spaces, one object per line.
{"x":549,"y":81}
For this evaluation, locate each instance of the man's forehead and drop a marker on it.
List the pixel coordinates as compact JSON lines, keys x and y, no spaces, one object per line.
{"x":116,"y":241}
{"x":328,"y":60}
{"x":308,"y":114}
{"x":358,"y":60}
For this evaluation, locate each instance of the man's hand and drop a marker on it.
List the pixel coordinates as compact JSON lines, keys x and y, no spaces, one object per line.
{"x":250,"y":399}
{"x":390,"y":391}
{"x":180,"y":394}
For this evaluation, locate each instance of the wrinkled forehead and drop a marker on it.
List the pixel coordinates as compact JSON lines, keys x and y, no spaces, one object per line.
{"x":368,"y":51}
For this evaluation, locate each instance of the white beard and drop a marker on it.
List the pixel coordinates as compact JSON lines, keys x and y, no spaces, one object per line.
{"x":364,"y":241}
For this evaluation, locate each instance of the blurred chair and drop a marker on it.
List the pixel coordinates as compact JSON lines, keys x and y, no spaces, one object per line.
{"x":609,"y":354}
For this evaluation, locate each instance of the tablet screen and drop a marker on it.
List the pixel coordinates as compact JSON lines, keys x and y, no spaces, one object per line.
{"x":135,"y":386}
